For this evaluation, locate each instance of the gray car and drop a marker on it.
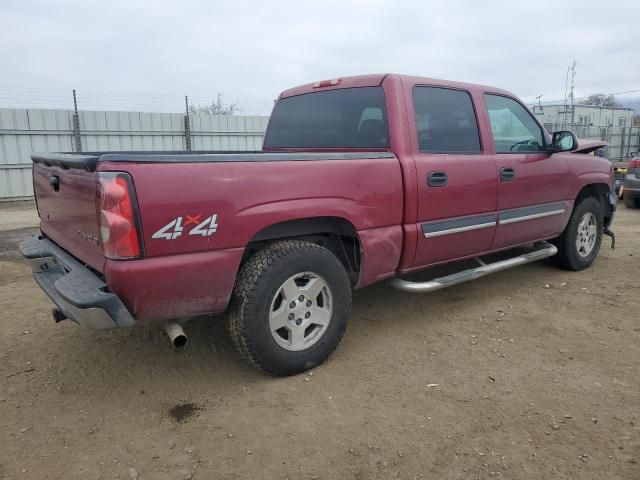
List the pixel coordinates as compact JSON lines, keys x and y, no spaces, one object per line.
{"x":631,"y":184}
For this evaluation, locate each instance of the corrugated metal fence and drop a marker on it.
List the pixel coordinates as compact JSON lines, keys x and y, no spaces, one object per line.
{"x":623,"y":141}
{"x":25,"y":131}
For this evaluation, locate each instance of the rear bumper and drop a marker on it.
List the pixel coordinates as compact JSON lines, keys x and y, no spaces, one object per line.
{"x":76,"y":290}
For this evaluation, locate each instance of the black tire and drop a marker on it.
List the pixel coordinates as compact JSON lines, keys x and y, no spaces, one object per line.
{"x":630,"y":201}
{"x":568,"y":256}
{"x":258,"y":283}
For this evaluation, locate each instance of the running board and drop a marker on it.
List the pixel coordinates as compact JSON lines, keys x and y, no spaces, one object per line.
{"x":543,"y":250}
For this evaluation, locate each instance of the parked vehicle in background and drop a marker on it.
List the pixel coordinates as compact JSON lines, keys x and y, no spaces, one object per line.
{"x":619,"y":174}
{"x":360,"y":179}
{"x":631,"y":184}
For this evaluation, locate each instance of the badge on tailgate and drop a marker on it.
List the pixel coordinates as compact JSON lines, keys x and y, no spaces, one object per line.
{"x":175,"y":227}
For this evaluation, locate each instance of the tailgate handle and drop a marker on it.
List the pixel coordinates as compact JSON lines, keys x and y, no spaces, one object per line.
{"x":54,"y":180}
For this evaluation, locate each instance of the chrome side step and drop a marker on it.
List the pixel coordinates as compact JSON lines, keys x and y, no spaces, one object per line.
{"x":543,"y":250}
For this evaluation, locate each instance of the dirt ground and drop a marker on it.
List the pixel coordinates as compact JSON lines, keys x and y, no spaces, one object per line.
{"x":528,"y":374}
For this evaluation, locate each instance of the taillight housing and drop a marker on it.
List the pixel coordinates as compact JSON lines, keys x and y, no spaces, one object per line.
{"x":327,"y":83}
{"x":118,"y":216}
{"x":633,"y":164}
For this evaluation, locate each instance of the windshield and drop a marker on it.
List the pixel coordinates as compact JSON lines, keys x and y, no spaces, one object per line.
{"x":345,"y":118}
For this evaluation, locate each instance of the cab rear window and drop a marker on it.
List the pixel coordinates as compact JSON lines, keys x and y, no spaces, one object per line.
{"x":344,"y":118}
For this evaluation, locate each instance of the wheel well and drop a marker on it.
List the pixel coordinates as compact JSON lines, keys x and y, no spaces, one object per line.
{"x":600,"y":192}
{"x":334,"y":233}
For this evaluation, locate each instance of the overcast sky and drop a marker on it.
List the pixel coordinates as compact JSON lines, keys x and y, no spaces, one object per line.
{"x":251,"y":50}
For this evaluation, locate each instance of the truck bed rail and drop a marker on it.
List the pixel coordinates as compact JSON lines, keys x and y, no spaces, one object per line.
{"x":89,"y":161}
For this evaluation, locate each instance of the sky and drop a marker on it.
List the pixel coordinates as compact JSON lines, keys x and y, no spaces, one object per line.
{"x":131,"y":54}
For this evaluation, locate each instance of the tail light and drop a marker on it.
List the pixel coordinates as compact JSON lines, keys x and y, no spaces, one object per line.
{"x":118,"y":216}
{"x":633,"y":164}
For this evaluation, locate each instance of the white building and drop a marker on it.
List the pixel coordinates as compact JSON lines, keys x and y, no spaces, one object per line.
{"x":555,"y":116}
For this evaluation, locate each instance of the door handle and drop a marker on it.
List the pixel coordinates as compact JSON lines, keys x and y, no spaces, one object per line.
{"x":437,"y":179}
{"x":507,"y":174}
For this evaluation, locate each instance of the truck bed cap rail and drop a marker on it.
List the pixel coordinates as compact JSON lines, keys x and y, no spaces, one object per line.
{"x":86,"y":162}
{"x":89,"y":161}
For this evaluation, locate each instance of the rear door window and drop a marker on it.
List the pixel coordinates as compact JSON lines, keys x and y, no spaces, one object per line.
{"x":344,"y":118}
{"x":445,"y":120}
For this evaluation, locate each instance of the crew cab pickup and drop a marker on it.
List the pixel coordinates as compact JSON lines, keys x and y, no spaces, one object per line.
{"x":360,"y":179}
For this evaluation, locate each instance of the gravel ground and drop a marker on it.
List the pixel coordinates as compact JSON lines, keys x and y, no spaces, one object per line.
{"x":530,"y":373}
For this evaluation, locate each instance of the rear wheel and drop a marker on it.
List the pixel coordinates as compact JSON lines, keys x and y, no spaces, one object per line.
{"x":631,"y":201}
{"x":579,"y":244}
{"x":290,"y":307}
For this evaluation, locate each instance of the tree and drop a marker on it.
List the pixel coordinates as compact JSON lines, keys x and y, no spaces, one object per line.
{"x":216,"y":107}
{"x":601,"y":100}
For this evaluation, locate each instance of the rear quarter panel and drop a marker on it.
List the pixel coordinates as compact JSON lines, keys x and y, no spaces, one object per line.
{"x":192,"y":274}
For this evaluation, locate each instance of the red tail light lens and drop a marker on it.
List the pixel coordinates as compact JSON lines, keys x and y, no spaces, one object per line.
{"x":327,"y":83}
{"x":117,"y":215}
{"x":635,"y":163}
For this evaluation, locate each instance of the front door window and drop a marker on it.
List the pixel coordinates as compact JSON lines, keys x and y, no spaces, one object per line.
{"x":514,"y":129}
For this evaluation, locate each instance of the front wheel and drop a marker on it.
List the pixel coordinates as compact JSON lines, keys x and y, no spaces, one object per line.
{"x":579,"y":244}
{"x":290,"y":307}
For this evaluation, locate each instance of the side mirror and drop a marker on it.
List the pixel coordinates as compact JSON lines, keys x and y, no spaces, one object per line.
{"x":563,"y":141}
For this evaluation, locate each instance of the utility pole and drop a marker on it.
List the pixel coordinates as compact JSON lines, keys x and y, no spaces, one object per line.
{"x":564,"y":107}
{"x":572,"y":97}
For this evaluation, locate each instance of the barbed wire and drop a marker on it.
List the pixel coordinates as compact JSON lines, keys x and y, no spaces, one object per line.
{"x":563,"y":100}
{"x":57,"y":98}
{"x":12,"y":96}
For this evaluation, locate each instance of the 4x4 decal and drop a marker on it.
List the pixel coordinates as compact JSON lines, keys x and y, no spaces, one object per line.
{"x":175,"y":227}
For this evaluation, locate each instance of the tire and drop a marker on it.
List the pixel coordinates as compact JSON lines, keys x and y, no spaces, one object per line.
{"x":570,"y":256}
{"x":265,"y":298}
{"x":631,"y":201}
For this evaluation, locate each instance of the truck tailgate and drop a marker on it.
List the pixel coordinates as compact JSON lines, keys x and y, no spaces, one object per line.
{"x":66,"y":199}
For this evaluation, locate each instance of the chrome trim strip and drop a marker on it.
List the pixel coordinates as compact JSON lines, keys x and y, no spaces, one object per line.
{"x":459,"y":224}
{"x":506,"y":221}
{"x":450,"y":231}
{"x":488,"y":220}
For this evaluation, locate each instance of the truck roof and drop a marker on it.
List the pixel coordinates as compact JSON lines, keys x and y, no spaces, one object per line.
{"x":374,"y":80}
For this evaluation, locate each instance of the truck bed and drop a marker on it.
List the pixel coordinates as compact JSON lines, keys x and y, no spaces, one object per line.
{"x":199,"y":210}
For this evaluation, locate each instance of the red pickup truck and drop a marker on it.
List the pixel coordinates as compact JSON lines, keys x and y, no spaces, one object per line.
{"x":360,"y":179}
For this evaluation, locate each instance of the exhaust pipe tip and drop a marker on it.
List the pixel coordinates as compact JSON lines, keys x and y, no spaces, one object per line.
{"x":177,"y":336}
{"x":180,"y":342}
{"x":58,"y":315}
